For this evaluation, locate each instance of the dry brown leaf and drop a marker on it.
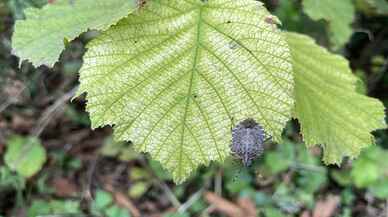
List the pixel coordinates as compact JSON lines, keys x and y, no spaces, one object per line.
{"x":305,"y":214}
{"x":223,"y":205}
{"x":247,"y":206}
{"x":327,"y":207}
{"x":63,"y":187}
{"x":21,"y":123}
{"x":123,"y":201}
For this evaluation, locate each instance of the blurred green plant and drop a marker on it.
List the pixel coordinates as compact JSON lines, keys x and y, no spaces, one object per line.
{"x":373,"y":7}
{"x":177,"y":215}
{"x":141,"y":182}
{"x":76,"y":116}
{"x":290,"y":15}
{"x":339,"y":16}
{"x":307,"y":176}
{"x":272,"y":212}
{"x":103,"y":205}
{"x":10,"y":179}
{"x":121,"y":150}
{"x":54,"y":207}
{"x":369,"y":171}
{"x":17,"y":6}
{"x":25,"y":155}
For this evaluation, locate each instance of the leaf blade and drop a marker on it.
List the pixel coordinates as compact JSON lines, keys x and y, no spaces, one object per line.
{"x":339,"y":15}
{"x":177,"y":81}
{"x":25,"y":155}
{"x":40,"y":38}
{"x":330,"y":110}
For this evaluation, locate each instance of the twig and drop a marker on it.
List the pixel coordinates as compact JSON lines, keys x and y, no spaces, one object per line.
{"x":170,"y":195}
{"x":386,"y":208}
{"x":217,"y":190}
{"x":194,"y":198}
{"x":5,"y":105}
{"x":88,"y":192}
{"x":224,"y":205}
{"x":52,"y":111}
{"x":10,"y":100}
{"x":218,"y":183}
{"x":124,"y":201}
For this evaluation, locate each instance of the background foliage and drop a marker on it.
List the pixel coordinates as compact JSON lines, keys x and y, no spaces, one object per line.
{"x":84,"y":171}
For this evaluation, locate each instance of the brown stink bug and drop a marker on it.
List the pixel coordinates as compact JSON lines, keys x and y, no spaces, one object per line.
{"x":248,"y":139}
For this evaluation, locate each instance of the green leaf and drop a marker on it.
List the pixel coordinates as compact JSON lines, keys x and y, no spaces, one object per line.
{"x":122,"y":150}
{"x":381,"y":6}
{"x":10,"y":179}
{"x":339,"y":15}
{"x":272,"y":212}
{"x":330,"y":110}
{"x":380,"y":188}
{"x":102,"y":200}
{"x":26,"y":156}
{"x":176,"y":215}
{"x":43,"y":208}
{"x":373,"y":7}
{"x":17,"y":6}
{"x":275,"y":162}
{"x":370,"y":167}
{"x":365,"y":173}
{"x":311,"y":181}
{"x":243,"y":176}
{"x":115,"y":211}
{"x":159,"y":171}
{"x":174,"y":76}
{"x":280,"y":159}
{"x":138,"y":189}
{"x":40,"y":38}
{"x":342,"y":177}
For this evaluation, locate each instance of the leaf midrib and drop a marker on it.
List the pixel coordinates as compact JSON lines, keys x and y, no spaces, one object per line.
{"x":189,"y":92}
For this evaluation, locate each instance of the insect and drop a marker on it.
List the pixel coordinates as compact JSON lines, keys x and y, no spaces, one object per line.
{"x":141,"y":3}
{"x":248,"y":139}
{"x":272,"y":20}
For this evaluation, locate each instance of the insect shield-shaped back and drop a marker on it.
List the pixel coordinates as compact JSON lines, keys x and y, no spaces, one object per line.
{"x":248,"y":139}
